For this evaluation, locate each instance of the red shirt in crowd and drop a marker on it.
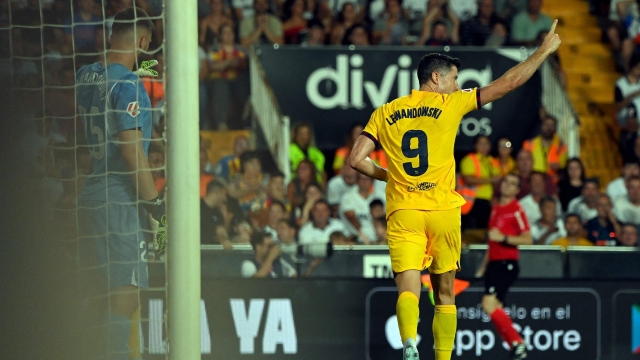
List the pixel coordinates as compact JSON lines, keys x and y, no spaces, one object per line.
{"x":511,"y":220}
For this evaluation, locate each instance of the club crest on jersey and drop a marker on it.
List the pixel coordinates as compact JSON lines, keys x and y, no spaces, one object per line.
{"x":133,"y":108}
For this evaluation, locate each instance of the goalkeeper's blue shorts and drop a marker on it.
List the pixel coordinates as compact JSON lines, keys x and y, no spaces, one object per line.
{"x":113,"y":241}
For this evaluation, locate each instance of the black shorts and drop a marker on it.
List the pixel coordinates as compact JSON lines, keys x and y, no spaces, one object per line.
{"x":499,"y":277}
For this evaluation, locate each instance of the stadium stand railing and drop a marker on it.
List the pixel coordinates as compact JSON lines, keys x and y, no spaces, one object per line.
{"x":557,"y":103}
{"x":273,"y":124}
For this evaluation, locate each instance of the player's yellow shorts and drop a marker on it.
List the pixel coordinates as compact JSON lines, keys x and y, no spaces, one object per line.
{"x":421,"y":239}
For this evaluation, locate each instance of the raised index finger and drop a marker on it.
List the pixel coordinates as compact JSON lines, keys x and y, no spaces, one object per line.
{"x":553,"y":27}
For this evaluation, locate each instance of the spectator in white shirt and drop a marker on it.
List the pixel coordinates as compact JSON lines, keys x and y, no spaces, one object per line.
{"x":287,"y":239}
{"x":531,"y":202}
{"x":321,"y":225}
{"x":618,"y":187}
{"x":267,"y":262}
{"x":277,"y":212}
{"x":355,"y":212}
{"x":627,"y":208}
{"x":339,"y":185}
{"x":550,"y":226}
{"x":585,"y":204}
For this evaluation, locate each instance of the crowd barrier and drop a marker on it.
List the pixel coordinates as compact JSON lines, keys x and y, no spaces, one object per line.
{"x":362,"y":261}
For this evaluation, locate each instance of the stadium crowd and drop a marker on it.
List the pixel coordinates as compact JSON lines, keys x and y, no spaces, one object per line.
{"x":244,"y":203}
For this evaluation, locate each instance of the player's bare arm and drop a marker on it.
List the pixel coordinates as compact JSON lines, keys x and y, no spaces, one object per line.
{"x":522,"y":72}
{"x":360,"y":161}
{"x":522,"y":239}
{"x":137,"y":163}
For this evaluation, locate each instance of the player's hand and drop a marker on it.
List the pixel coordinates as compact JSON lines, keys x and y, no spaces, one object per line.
{"x":495,"y":235}
{"x":480,"y":272}
{"x":158,"y":221}
{"x":145,"y":68}
{"x":552,"y":40}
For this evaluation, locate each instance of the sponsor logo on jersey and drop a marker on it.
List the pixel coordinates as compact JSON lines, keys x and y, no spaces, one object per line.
{"x":424,"y":186}
{"x":133,"y":108}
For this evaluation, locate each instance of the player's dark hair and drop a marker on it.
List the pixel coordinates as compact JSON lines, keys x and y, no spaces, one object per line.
{"x":375,"y":202}
{"x":257,"y":238}
{"x":215,"y":185}
{"x":275,"y":202}
{"x":128,"y":18}
{"x":439,"y":63}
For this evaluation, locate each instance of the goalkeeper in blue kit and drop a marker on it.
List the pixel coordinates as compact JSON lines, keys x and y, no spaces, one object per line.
{"x":119,"y":206}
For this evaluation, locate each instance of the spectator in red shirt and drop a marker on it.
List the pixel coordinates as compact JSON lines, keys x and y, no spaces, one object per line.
{"x":508,"y":228}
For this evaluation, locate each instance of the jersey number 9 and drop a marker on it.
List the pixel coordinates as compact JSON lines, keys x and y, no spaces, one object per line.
{"x":421,"y":152}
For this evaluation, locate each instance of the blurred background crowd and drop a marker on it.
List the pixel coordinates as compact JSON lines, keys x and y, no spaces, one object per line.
{"x":245,"y":199}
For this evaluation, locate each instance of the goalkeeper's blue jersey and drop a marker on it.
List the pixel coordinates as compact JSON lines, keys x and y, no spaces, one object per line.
{"x":110,"y":100}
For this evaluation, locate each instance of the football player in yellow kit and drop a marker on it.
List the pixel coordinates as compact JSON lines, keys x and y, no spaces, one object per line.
{"x":418,"y":133}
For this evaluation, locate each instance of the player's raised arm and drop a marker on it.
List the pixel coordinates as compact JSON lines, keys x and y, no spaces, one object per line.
{"x":522,"y":72}
{"x":360,"y":161}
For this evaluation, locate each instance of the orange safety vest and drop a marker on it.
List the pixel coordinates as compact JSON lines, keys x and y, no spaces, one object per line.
{"x":556,"y":149}
{"x":469,"y":192}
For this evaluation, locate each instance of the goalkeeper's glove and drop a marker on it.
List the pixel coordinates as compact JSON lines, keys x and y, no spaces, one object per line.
{"x":145,"y":68}
{"x":158,"y":221}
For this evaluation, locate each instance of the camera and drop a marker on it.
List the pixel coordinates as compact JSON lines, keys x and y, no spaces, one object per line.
{"x":318,"y":250}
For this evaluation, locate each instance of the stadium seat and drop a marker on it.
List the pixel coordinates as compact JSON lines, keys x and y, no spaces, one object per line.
{"x":590,"y":73}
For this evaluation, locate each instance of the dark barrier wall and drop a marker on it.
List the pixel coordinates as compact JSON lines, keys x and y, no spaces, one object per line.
{"x":334,"y":87}
{"x":536,"y":262}
{"x":312,"y":319}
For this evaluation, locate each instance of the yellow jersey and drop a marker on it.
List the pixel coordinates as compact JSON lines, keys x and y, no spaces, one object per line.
{"x":418,"y":132}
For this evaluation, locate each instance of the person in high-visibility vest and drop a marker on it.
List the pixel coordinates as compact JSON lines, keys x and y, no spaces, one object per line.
{"x":479,"y":171}
{"x":548,"y":150}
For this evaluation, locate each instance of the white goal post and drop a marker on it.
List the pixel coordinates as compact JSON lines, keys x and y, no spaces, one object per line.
{"x":183,"y":203}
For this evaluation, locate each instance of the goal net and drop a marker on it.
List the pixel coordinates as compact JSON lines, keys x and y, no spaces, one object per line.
{"x":70,"y":133}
